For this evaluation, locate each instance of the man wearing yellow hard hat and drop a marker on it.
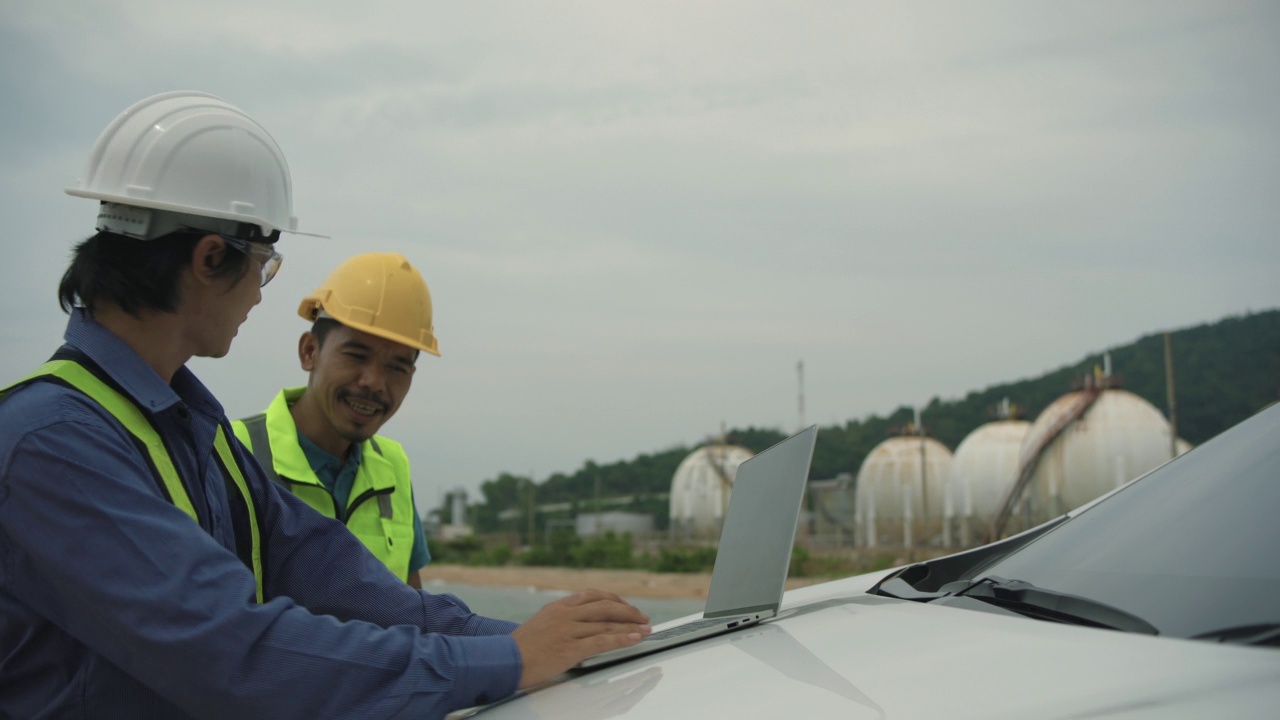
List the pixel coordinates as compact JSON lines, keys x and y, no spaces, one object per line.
{"x":148,"y":567}
{"x":370,"y":320}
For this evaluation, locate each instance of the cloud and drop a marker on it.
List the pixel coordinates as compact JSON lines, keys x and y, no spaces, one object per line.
{"x":635,"y":219}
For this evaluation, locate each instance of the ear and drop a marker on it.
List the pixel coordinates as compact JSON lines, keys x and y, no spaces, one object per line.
{"x":206,"y":256}
{"x":308,"y":351}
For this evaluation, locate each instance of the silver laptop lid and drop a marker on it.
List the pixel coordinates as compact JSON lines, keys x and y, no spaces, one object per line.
{"x":750,"y":573}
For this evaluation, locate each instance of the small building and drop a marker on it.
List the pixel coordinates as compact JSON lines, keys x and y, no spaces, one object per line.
{"x":457,"y":527}
{"x":830,"y":515}
{"x":639,"y":525}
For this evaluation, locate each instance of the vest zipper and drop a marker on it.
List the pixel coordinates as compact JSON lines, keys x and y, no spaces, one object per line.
{"x":351,"y":506}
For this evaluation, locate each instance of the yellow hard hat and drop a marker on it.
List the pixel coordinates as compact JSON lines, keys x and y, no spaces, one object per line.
{"x":378,"y":293}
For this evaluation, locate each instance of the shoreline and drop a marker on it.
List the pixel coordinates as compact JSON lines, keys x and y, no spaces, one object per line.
{"x":626,"y":583}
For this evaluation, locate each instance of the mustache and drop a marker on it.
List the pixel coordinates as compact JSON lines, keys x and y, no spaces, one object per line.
{"x":367,"y":397}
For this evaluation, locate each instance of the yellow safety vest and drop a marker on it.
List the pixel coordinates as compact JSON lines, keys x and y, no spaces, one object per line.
{"x":380,"y":508}
{"x":72,"y":374}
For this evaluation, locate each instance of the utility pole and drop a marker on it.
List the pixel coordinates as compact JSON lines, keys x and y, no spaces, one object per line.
{"x":597,"y":534}
{"x":1168,"y":388}
{"x":529,"y":493}
{"x":924,"y":479}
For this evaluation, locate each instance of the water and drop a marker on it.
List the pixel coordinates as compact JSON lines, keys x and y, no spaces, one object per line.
{"x":518,"y":604}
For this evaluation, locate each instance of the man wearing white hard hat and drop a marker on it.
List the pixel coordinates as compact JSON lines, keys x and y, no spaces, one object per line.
{"x":148,"y":567}
{"x":370,"y":320}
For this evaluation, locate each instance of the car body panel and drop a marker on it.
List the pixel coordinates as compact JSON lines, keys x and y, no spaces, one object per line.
{"x":834,"y":652}
{"x":1189,"y":548}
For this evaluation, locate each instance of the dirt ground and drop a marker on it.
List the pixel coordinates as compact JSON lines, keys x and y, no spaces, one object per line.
{"x":627,"y":583}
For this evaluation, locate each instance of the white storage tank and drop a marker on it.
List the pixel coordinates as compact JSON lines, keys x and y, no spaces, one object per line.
{"x":701,"y":487}
{"x":899,"y":498}
{"x":1119,"y":437}
{"x":983,"y":468}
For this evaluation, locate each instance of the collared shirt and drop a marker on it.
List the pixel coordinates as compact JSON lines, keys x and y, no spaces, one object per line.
{"x":113,"y":603}
{"x":339,"y":477}
{"x":336,"y":476}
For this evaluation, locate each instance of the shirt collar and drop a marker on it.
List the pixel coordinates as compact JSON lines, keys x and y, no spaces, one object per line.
{"x":132,"y":374}
{"x":320,"y":459}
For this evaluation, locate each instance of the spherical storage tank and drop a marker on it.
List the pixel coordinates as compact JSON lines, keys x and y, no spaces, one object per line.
{"x":1119,"y":437}
{"x":899,"y":500}
{"x":701,"y":487}
{"x":983,"y":469}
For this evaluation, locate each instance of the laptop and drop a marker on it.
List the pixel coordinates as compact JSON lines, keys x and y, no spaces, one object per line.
{"x":750,"y":572}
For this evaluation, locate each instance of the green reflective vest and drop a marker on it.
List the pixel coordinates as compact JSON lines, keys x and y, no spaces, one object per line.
{"x":380,"y":509}
{"x":74,"y":375}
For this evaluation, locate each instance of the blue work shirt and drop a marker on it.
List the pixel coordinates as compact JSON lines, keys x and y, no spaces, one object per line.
{"x":114,"y":603}
{"x":338,"y":478}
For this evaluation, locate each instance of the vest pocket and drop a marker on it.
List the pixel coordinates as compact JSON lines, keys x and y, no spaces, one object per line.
{"x":392,"y":546}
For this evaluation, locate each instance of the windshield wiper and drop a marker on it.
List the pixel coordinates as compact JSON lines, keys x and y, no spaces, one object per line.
{"x":1256,"y":634}
{"x":1026,"y":599}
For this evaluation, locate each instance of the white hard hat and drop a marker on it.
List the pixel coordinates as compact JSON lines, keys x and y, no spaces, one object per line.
{"x":188,"y":159}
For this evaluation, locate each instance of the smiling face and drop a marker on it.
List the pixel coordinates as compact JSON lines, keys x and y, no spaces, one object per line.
{"x":357,"y":383}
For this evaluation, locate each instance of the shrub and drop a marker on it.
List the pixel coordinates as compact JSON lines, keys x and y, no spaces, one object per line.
{"x":799,"y":562}
{"x":539,"y":555}
{"x":467,"y":551}
{"x":685,"y":560}
{"x":495,"y":556}
{"x":608,"y":551}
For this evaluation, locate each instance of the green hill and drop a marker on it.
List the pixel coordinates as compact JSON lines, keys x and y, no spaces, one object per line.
{"x":1224,"y":372}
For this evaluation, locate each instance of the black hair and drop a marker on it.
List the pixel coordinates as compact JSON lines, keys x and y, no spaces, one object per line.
{"x":321,"y":327}
{"x":136,"y":275}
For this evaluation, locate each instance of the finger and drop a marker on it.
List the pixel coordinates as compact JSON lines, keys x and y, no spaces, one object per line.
{"x":608,"y":611}
{"x":603,"y":642}
{"x":587,"y":630}
{"x":606,"y":599}
{"x":589,"y":595}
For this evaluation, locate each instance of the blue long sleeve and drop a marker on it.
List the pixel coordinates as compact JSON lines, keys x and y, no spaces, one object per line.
{"x":115,"y":603}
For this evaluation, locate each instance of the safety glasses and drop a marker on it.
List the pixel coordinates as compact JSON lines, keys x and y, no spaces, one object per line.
{"x":266,"y":256}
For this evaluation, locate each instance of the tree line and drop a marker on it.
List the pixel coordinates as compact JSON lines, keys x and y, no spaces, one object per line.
{"x":1223,"y":371}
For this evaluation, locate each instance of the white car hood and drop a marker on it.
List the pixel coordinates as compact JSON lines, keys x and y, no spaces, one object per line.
{"x":838,"y":652}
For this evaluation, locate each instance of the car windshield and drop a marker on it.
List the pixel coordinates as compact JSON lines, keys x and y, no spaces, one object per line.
{"x":1192,"y":548}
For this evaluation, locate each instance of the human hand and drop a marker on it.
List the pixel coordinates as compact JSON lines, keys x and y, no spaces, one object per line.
{"x":564,"y":632}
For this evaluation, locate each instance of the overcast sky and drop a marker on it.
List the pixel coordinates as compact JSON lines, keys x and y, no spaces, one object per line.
{"x":635,"y":219}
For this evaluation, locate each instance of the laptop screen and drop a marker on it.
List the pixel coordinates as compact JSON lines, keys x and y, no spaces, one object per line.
{"x":760,"y":527}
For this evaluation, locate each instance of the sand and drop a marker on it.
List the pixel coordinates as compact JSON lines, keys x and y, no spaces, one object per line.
{"x":627,"y":583}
